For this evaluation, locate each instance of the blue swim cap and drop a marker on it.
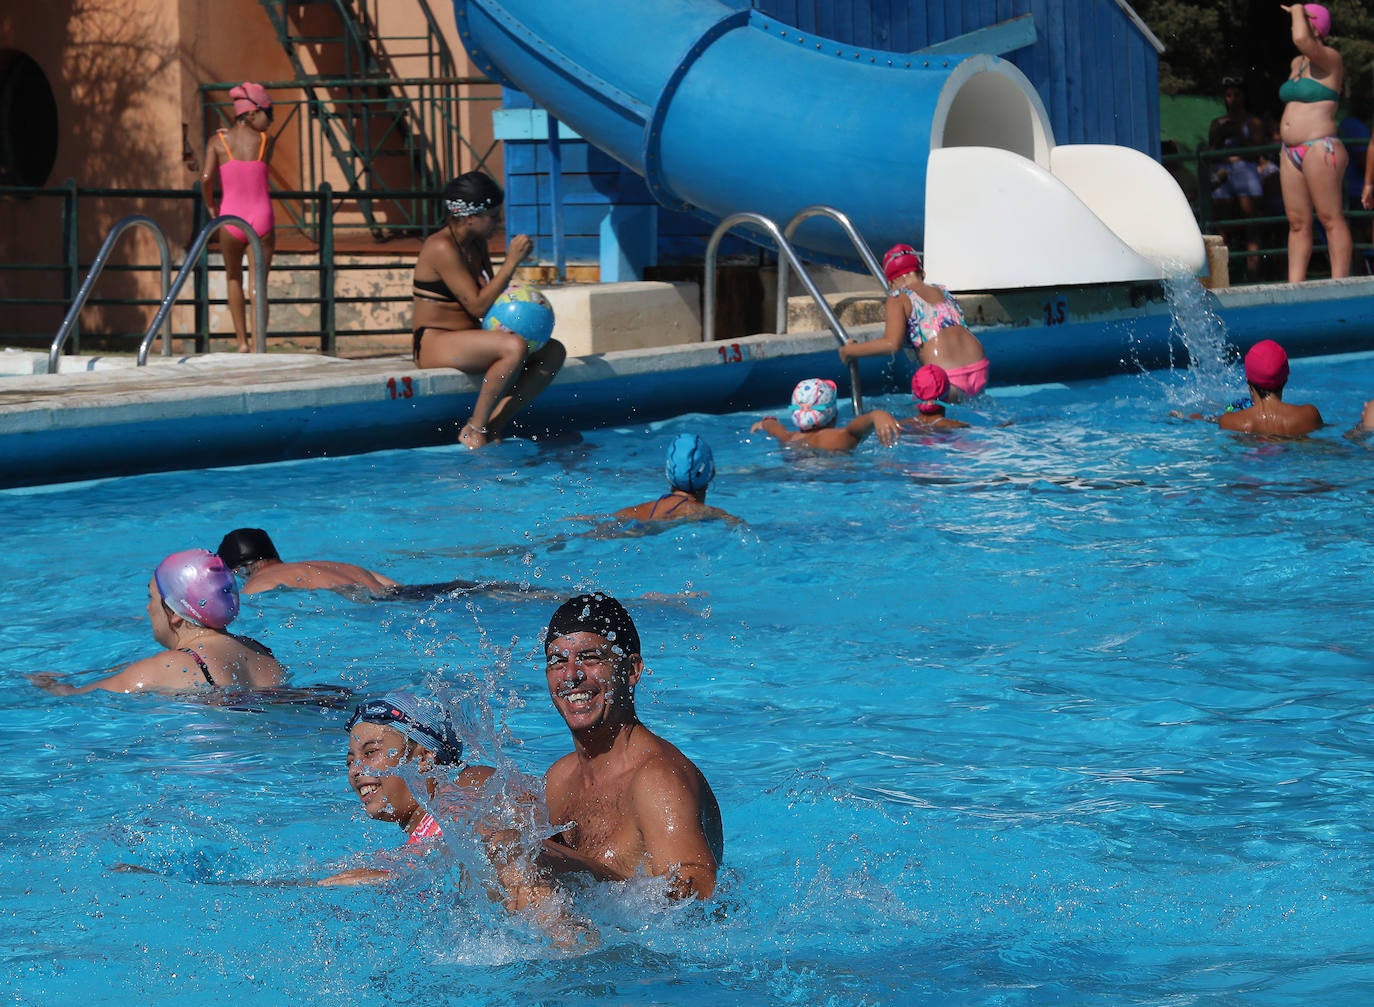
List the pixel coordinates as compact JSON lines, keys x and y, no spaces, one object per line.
{"x":690,"y":465}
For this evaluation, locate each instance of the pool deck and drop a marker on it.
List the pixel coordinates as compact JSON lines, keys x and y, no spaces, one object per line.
{"x":103,"y":416}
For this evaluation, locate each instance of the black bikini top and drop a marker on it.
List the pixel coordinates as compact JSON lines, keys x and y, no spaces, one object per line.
{"x":434,"y":290}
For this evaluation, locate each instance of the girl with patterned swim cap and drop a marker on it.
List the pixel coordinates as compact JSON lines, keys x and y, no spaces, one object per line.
{"x":927,"y":316}
{"x":192,"y":599}
{"x":814,"y":412}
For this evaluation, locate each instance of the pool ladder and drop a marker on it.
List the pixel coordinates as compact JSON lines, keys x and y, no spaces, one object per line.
{"x":170,"y":288}
{"x":787,"y":256}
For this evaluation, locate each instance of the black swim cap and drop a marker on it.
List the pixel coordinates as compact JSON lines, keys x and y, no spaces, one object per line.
{"x":595,"y":613}
{"x":245,"y":545}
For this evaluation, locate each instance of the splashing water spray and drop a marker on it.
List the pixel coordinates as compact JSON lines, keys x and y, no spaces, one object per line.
{"x":1210,"y":368}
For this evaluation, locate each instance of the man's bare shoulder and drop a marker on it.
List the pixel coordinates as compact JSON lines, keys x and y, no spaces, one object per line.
{"x":659,"y":766}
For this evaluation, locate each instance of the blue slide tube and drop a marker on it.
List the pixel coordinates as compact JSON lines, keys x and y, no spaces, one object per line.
{"x":725,"y":111}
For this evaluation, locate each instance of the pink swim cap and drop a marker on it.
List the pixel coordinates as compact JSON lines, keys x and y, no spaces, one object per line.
{"x":1266,"y":366}
{"x":900,"y":260}
{"x":1321,"y":18}
{"x":929,"y":385}
{"x":196,"y":585}
{"x":249,"y":97}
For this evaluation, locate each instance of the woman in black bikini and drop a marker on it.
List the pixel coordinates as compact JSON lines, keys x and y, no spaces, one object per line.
{"x":455,"y":285}
{"x":192,"y":599}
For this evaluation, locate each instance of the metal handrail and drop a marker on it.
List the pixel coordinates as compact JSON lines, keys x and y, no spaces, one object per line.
{"x":785,"y":250}
{"x":74,"y":312}
{"x":188,"y":267}
{"x":855,"y":237}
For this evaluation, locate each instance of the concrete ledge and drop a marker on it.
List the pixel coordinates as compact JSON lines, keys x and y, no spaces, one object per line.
{"x":606,"y":317}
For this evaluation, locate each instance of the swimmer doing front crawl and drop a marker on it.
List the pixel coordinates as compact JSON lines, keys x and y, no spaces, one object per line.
{"x":192,"y":599}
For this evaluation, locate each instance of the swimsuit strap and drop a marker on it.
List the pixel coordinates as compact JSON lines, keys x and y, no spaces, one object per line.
{"x":262,"y":146}
{"x":200,"y":663}
{"x":225,"y":140}
{"x":653,"y":511}
{"x":428,"y":828}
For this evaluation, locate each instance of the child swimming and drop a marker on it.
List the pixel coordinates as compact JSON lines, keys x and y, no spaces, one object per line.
{"x":814,"y":413}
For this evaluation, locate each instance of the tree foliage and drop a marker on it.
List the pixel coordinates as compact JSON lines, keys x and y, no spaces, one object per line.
{"x":1206,"y":42}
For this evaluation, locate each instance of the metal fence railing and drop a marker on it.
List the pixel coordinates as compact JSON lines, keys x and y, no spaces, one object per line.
{"x":1259,"y":241}
{"x":51,"y":286}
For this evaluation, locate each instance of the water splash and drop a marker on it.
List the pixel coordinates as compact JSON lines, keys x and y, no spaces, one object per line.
{"x":1210,"y":370}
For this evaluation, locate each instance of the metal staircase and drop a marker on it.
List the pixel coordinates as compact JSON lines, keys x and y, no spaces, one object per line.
{"x":380,"y":124}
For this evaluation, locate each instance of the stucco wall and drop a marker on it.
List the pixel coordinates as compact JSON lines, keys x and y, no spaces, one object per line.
{"x":124,"y":75}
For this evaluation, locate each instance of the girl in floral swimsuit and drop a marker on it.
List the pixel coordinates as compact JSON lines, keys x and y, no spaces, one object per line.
{"x":927,"y":317}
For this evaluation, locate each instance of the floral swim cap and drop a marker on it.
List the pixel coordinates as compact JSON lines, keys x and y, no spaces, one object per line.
{"x":813,"y":404}
{"x":196,"y":585}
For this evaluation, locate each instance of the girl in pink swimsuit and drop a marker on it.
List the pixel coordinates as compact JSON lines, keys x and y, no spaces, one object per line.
{"x":926,"y":316}
{"x":239,"y":156}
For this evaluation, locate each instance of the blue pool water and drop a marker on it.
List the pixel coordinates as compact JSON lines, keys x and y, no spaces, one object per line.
{"x":1071,"y":710}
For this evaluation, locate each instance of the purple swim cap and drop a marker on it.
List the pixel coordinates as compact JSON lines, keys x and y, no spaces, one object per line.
{"x":196,"y":585}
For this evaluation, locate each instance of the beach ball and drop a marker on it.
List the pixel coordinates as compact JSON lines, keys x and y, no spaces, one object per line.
{"x":522,"y":309}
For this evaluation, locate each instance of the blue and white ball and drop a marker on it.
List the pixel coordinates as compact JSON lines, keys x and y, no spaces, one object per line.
{"x":522,"y":309}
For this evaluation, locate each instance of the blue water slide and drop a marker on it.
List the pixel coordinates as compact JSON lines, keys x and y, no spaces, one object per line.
{"x":724,"y":111}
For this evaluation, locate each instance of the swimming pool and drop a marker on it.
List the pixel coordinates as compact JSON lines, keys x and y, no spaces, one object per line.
{"x":1073,"y":710}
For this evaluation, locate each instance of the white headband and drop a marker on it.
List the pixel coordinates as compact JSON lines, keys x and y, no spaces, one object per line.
{"x":460,"y":208}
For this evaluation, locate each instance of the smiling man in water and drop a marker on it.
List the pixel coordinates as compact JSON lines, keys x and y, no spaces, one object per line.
{"x":629,"y":801}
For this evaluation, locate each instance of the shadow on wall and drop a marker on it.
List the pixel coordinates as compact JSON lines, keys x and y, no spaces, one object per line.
{"x":112,"y":68}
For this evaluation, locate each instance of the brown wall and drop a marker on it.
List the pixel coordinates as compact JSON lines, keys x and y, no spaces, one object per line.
{"x":125,"y":74}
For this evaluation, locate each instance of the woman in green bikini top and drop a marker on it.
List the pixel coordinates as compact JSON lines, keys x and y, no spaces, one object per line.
{"x":1312,"y":168}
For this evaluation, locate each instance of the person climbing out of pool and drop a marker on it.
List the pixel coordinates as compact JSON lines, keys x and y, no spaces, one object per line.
{"x":928,"y":317}
{"x":455,"y":285}
{"x":814,"y":413}
{"x":930,"y":388}
{"x":690,"y":466}
{"x":192,"y":599}
{"x":401,"y":736}
{"x":1266,"y":372}
{"x":629,"y":801}
{"x":249,"y":552}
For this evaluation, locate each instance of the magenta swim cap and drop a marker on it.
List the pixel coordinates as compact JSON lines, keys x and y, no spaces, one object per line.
{"x":196,"y":585}
{"x":929,"y":385}
{"x":900,"y":260}
{"x":1321,"y":18}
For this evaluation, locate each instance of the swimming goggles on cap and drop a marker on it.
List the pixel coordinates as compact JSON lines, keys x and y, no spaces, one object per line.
{"x":443,"y":741}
